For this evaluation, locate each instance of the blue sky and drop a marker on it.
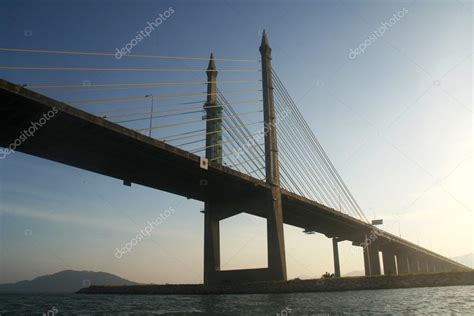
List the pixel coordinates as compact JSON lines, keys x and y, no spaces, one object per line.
{"x":396,"y":122}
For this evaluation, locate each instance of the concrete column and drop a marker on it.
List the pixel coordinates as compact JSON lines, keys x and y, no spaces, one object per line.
{"x":212,"y":255}
{"x":413,"y":264}
{"x":441,"y":267}
{"x":335,"y":251}
{"x":389,"y":265}
{"x":447,"y":267}
{"x":214,"y":155}
{"x":374,"y":260}
{"x":427,"y":264}
{"x":402,"y":263}
{"x":275,"y":242}
{"x":366,"y":261}
{"x":422,"y":265}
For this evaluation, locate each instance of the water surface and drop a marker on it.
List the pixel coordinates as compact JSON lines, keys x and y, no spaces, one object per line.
{"x":420,"y":301}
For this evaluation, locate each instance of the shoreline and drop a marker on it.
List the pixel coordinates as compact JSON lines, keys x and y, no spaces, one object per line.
{"x":295,"y":286}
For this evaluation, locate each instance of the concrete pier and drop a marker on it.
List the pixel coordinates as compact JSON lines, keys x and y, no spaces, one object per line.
{"x":214,"y":156}
{"x":389,"y":262}
{"x":374,"y":260}
{"x":402,"y":263}
{"x":335,"y":251}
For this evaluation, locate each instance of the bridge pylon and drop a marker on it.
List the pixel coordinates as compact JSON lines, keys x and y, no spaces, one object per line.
{"x":269,"y":203}
{"x":214,"y":154}
{"x":275,"y":238}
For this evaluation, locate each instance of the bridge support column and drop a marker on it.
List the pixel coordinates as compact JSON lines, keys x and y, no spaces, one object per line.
{"x":371,"y":260}
{"x":413,"y":264}
{"x":366,"y":261}
{"x":211,"y":245}
{"x":335,"y":251}
{"x":427,"y":264}
{"x":446,"y":267}
{"x":402,"y":263}
{"x":424,"y":265}
{"x":276,"y":242}
{"x":214,"y":155}
{"x":271,"y":202}
{"x":374,"y":260}
{"x":389,"y":265}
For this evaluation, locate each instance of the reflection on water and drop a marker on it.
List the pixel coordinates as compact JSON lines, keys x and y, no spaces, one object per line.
{"x":440,"y":300}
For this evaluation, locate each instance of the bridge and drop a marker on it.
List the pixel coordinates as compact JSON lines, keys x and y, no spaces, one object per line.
{"x":288,"y":179}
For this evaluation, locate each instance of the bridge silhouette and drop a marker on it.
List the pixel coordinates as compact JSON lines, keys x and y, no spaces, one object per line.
{"x":280,"y":173}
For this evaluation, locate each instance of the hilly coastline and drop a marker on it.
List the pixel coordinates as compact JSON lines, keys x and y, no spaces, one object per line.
{"x":67,"y":281}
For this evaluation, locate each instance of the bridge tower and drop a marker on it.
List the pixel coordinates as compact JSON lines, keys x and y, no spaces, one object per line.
{"x":214,"y":154}
{"x":275,"y":238}
{"x":213,"y":115}
{"x":270,"y":204}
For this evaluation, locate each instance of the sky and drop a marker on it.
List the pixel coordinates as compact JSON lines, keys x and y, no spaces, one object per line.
{"x":395,"y":119}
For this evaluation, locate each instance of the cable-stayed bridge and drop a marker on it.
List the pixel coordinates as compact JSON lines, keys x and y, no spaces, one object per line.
{"x":254,"y":154}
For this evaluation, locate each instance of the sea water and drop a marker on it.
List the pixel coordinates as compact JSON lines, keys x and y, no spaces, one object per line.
{"x":457,"y":300}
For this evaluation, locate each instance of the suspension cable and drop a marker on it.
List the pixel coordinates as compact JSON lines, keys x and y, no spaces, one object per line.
{"x":188,"y":122}
{"x":121,"y":109}
{"x":134,"y":85}
{"x":301,"y":156}
{"x":122,"y":69}
{"x":173,"y":137}
{"x":243,"y":132}
{"x":322,"y":153}
{"x":211,"y":146}
{"x":319,"y":155}
{"x":46,"y":51}
{"x":158,"y":97}
{"x":172,"y":113}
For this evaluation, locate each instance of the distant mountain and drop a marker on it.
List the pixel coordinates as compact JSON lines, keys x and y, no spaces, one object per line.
{"x":354,"y":273}
{"x":67,"y":281}
{"x":467,"y":260}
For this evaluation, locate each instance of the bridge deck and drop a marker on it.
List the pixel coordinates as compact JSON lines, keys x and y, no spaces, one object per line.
{"x":82,"y":140}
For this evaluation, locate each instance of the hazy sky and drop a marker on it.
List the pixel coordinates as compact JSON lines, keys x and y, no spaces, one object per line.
{"x":396,"y":121}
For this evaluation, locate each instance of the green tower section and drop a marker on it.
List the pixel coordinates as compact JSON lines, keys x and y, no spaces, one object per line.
{"x":213,"y":116}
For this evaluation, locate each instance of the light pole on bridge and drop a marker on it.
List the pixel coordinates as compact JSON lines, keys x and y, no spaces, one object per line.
{"x":151,"y":113}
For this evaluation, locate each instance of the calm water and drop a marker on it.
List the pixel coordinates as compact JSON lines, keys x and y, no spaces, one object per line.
{"x":428,"y":301}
